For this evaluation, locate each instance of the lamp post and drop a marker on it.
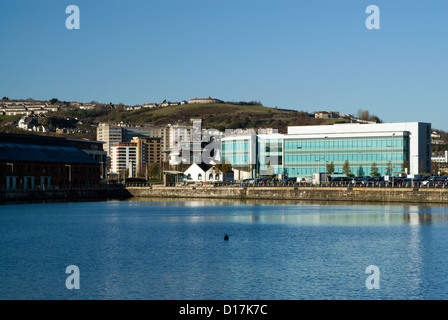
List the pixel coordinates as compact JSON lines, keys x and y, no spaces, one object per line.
{"x":412,"y":176}
{"x":102,"y":169}
{"x":12,"y":171}
{"x":12,"y":167}
{"x":326,"y":169}
{"x":69,"y":174}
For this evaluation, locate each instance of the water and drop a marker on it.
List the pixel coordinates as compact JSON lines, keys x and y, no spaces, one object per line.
{"x":176,"y":250}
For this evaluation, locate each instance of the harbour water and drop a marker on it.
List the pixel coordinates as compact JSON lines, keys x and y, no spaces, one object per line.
{"x":157,"y":249}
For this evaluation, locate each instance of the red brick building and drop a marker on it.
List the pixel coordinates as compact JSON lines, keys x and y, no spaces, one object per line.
{"x":30,"y":162}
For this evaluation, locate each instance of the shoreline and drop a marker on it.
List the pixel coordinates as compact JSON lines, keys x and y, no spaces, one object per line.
{"x":345,"y":195}
{"x":333,"y":194}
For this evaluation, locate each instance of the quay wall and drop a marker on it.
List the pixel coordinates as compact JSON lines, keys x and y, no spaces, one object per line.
{"x":406,"y":195}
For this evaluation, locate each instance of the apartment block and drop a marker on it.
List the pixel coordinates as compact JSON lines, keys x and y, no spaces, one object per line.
{"x":149,"y":152}
{"x":124,"y":158}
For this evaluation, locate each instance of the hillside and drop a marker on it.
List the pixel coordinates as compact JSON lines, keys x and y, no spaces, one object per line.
{"x":215,"y":115}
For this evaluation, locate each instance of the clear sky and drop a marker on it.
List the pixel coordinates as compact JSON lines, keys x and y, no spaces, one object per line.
{"x":306,"y":55}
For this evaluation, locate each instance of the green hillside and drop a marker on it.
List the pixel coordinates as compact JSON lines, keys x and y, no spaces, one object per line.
{"x":214,"y":115}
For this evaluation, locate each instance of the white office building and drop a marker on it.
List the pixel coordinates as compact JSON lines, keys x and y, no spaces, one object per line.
{"x":393,"y":148}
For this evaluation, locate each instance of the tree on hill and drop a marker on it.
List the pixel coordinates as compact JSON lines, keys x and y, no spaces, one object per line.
{"x":367,"y":116}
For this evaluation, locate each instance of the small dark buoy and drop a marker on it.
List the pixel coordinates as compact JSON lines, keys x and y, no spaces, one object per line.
{"x":226,"y":237}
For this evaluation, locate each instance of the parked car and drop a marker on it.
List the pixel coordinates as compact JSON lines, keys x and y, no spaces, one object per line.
{"x":360,"y":180}
{"x":435,"y":180}
{"x":341,"y":179}
{"x":396,"y":179}
{"x":249,"y":181}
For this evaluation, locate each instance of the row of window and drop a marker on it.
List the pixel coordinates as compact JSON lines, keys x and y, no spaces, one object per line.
{"x":236,"y":160}
{"x":357,"y":171}
{"x":328,"y":144}
{"x":342,"y":157}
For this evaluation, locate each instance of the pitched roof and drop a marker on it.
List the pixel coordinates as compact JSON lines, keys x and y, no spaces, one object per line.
{"x":32,"y":148}
{"x":204,"y":166}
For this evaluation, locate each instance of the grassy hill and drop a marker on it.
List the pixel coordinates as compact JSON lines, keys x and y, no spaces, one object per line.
{"x":214,"y":115}
{"x":219,"y":116}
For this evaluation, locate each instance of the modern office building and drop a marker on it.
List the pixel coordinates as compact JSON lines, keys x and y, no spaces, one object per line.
{"x":241,"y":152}
{"x":392,"y":147}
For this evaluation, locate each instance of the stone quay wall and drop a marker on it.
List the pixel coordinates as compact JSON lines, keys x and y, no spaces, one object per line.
{"x":405,"y":195}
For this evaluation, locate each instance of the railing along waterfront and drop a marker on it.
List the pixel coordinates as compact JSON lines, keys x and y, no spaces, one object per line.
{"x":274,"y":184}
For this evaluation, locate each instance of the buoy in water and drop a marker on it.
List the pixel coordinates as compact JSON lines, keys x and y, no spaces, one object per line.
{"x":226,"y":237}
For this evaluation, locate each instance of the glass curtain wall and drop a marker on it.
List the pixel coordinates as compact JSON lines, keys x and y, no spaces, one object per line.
{"x":303,"y":157}
{"x":270,"y":152}
{"x":236,"y":152}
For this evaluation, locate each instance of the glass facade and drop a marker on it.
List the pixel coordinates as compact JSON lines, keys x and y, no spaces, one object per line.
{"x":388,"y":148}
{"x":299,"y":157}
{"x":302,"y":157}
{"x":236,"y":152}
{"x":270,"y":156}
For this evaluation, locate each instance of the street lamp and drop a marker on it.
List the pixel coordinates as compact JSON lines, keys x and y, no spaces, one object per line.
{"x":326,"y":169}
{"x":102,"y":169}
{"x":12,"y":172}
{"x":412,"y":175}
{"x":69,"y":174}
{"x":12,"y":167}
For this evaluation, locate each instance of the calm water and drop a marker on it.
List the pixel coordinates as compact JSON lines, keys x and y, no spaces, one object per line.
{"x":175,"y":250}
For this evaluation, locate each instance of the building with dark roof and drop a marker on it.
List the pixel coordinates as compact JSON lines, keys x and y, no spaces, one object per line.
{"x":30,"y":162}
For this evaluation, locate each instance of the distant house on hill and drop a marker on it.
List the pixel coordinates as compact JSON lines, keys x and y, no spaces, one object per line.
{"x":204,"y":100}
{"x":326,"y":115}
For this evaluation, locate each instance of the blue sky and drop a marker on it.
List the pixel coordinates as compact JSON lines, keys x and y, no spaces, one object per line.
{"x":306,"y":55}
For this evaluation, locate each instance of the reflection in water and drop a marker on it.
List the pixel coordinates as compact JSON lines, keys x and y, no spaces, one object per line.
{"x":347,"y":211}
{"x":415,"y":247}
{"x":303,"y":213}
{"x":174,"y":249}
